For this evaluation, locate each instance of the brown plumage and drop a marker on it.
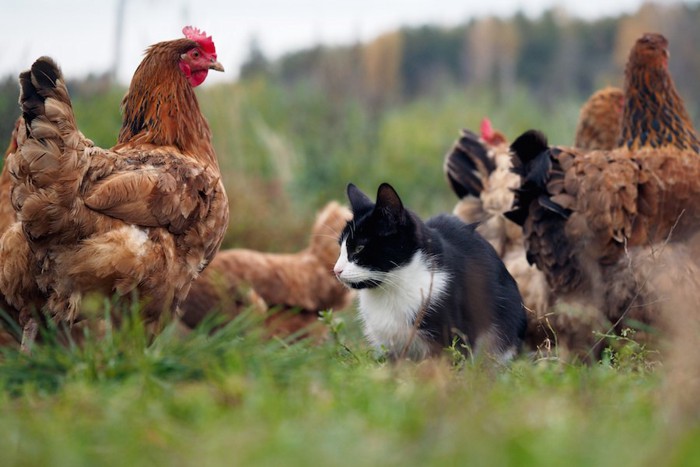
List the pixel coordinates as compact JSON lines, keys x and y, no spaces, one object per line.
{"x":296,"y":286}
{"x":585,"y":214}
{"x":654,"y":114}
{"x":142,"y":219}
{"x":600,"y":120}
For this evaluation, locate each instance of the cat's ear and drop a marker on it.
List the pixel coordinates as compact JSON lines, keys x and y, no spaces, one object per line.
{"x":359,"y":202}
{"x":390,"y":207}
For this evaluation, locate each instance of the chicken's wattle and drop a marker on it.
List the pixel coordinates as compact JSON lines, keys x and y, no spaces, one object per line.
{"x":195,"y":77}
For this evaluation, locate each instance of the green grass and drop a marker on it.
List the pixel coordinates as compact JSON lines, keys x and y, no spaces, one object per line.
{"x":232,"y":398}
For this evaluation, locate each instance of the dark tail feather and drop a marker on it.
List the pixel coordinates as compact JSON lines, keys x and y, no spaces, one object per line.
{"x":532,"y":162}
{"x":36,"y":85}
{"x":467,"y":165}
{"x":29,"y":99}
{"x":526,"y":148}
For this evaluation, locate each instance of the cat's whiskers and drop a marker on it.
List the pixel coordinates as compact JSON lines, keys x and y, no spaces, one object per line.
{"x":332,"y":237}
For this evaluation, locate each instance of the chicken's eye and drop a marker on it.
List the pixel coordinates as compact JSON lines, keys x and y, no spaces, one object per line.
{"x":195,"y":54}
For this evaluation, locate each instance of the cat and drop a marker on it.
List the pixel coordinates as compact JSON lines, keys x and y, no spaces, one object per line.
{"x":426,"y":286}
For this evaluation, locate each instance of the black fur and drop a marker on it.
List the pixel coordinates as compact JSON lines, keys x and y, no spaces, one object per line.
{"x":481,"y":293}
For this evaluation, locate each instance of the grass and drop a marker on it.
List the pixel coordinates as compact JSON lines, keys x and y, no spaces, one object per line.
{"x":232,"y":398}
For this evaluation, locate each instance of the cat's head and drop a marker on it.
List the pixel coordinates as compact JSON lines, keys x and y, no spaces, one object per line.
{"x":380,"y":238}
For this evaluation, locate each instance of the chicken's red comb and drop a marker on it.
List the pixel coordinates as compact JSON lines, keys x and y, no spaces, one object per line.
{"x":486,"y":129}
{"x":201,"y":38}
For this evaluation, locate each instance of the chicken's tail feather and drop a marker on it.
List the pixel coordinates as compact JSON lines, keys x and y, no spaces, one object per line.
{"x":43,"y":81}
{"x":50,"y":132}
{"x":46,"y":106}
{"x":531,"y":160}
{"x":467,"y":165}
{"x":526,"y":148}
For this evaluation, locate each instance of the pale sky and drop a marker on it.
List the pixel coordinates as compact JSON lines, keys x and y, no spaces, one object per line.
{"x":79,"y":34}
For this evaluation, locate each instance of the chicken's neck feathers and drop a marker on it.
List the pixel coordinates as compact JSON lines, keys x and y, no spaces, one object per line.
{"x":161,"y":109}
{"x":654,"y":115}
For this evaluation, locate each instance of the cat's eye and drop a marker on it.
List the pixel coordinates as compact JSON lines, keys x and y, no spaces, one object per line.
{"x":358,"y":248}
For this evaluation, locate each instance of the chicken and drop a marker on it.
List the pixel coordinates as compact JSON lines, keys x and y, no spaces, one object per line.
{"x":297,"y":285}
{"x":600,"y":120}
{"x":478,"y":169}
{"x":141,"y":219}
{"x":587,"y":218}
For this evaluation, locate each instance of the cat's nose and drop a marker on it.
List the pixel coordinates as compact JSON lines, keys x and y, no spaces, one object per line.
{"x":338,"y":270}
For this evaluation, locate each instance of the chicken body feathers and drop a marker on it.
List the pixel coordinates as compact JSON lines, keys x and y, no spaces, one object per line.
{"x":581,"y":210}
{"x":142,"y":218}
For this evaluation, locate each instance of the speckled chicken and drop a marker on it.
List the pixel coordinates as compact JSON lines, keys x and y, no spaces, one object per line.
{"x":141,"y":219}
{"x":588,"y":216}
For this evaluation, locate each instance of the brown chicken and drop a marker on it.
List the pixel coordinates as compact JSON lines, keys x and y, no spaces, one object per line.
{"x":294,"y":286}
{"x":589,"y":217}
{"x":600,"y":120}
{"x":142,"y":219}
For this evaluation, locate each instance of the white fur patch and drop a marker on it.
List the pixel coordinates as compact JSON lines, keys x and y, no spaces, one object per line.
{"x":342,"y":262}
{"x":136,"y":239}
{"x":388,"y":312}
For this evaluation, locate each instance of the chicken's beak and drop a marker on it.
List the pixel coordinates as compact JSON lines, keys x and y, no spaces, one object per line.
{"x":216,"y":66}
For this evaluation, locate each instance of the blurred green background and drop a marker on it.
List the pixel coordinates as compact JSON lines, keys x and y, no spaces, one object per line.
{"x":292,"y":132}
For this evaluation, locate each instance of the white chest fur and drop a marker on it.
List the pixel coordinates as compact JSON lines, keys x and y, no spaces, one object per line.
{"x":389,"y":311}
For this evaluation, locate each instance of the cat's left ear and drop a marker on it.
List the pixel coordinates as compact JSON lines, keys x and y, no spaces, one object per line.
{"x":359,"y":202}
{"x":390,"y":205}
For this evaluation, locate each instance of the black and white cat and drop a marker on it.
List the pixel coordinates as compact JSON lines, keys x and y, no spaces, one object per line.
{"x":421,"y":285}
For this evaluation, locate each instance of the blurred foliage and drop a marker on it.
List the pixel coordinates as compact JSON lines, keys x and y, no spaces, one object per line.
{"x":9,"y":110}
{"x":292,"y":132}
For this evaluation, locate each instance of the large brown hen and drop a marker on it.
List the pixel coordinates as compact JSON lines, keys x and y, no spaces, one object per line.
{"x":295,"y":286}
{"x":589,"y":217}
{"x":141,"y":219}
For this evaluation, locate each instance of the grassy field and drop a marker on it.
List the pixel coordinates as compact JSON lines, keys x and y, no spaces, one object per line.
{"x":235,"y":399}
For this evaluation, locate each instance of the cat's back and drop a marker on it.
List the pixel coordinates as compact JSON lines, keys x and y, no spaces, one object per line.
{"x":482,"y":287}
{"x":457,"y":235}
